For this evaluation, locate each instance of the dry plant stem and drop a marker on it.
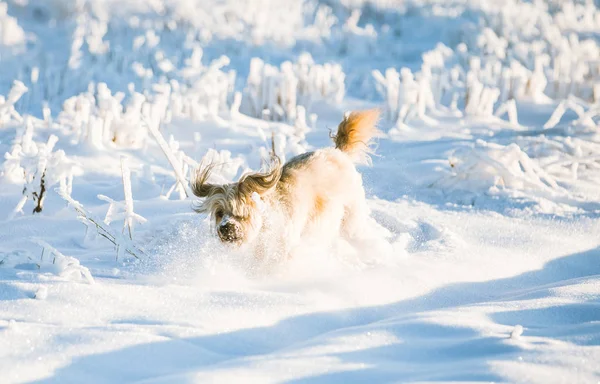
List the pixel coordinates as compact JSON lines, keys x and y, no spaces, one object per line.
{"x":41,"y":196}
{"x":273,"y":153}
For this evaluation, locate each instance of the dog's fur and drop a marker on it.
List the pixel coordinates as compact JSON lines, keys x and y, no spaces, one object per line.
{"x":316,"y":192}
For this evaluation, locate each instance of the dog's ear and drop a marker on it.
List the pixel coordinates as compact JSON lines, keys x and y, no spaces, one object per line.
{"x":261,"y":182}
{"x":200,"y":187}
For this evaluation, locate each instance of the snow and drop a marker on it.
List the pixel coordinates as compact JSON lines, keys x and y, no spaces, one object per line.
{"x":483,"y":191}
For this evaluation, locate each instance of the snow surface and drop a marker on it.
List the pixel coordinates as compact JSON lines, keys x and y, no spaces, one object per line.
{"x":484,"y":190}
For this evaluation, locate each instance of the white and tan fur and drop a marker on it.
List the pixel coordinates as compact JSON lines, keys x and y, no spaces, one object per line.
{"x":319,"y":192}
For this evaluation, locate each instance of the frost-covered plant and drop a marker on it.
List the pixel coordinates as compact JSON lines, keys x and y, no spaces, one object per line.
{"x":87,"y":35}
{"x":509,"y":108}
{"x":125,"y":129}
{"x":205,"y":91}
{"x":524,"y":50}
{"x":318,"y":82}
{"x":406,"y":96}
{"x":300,"y":126}
{"x":98,"y":118}
{"x":186,"y":163}
{"x":321,"y":28}
{"x":224,"y":165}
{"x":479,"y":99}
{"x":585,"y":118}
{"x":489,"y":166}
{"x":446,"y":81}
{"x":11,"y":33}
{"x":89,"y":115}
{"x":38,"y":167}
{"x":559,"y":58}
{"x":270,"y":89}
{"x":177,"y":159}
{"x":278,"y":91}
{"x":566,"y":158}
{"x":103,"y":119}
{"x":94,"y":225}
{"x":7,"y":104}
{"x":129,"y":217}
{"x":122,"y":210}
{"x":357,"y":40}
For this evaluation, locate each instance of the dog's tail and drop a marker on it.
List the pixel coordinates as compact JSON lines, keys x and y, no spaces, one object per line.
{"x":355,"y":134}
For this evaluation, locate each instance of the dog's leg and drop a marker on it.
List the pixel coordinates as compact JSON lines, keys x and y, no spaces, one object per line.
{"x":355,"y":219}
{"x":359,"y":229}
{"x":276,"y":240}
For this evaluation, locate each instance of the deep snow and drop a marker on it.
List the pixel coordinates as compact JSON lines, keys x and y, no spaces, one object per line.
{"x":489,"y":261}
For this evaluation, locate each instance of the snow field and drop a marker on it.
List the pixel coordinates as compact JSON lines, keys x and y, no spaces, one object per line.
{"x":483,"y":191}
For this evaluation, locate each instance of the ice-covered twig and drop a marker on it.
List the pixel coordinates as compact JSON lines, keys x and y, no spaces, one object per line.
{"x":569,"y":104}
{"x":510,"y":108}
{"x":7,"y":109}
{"x":121,"y":243}
{"x":556,"y":115}
{"x":111,"y":213}
{"x":177,"y":166}
{"x":130,"y":216}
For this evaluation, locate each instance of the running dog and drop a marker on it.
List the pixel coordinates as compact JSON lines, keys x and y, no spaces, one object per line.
{"x":318,"y":192}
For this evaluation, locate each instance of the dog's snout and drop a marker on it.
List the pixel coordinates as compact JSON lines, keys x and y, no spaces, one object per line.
{"x":227,"y":228}
{"x":228,"y":231}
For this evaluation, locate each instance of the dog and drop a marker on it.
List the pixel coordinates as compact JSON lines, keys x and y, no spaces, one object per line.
{"x":315,"y":193}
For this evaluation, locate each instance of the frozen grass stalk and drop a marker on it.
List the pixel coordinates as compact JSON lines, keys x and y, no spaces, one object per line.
{"x":177,"y":166}
{"x":130,"y":216}
{"x":123,"y":245}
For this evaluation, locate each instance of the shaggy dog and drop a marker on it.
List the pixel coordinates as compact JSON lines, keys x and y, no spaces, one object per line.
{"x":316,"y":193}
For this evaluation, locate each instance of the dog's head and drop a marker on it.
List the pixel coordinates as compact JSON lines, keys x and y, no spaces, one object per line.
{"x":236,"y":214}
